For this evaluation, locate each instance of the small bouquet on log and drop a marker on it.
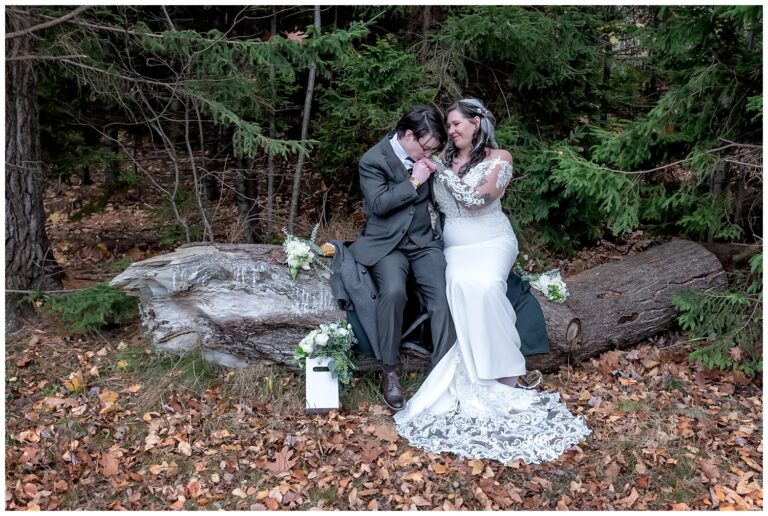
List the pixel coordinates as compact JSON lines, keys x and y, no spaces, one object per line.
{"x":334,"y":341}
{"x":300,"y":254}
{"x":549,"y":283}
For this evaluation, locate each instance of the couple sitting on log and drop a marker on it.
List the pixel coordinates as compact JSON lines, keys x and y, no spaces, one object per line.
{"x":481,"y":319}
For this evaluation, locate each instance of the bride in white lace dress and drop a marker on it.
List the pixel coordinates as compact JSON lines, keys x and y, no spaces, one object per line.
{"x":468,"y":404}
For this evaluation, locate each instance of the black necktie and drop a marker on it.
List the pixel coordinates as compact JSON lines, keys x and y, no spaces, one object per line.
{"x":408,"y":163}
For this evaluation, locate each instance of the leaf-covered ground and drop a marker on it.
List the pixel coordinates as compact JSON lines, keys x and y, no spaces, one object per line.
{"x":104,"y":423}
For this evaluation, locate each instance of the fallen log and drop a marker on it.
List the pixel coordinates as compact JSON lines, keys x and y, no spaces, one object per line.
{"x":238,"y":304}
{"x":618,"y":304}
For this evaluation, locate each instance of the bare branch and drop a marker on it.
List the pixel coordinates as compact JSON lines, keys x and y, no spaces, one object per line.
{"x":48,"y":24}
{"x":168,"y":18}
{"x":669,"y":165}
{"x":745,"y":145}
{"x":38,"y":57}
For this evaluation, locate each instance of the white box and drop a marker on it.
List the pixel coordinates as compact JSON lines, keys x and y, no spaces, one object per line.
{"x":322,"y":388}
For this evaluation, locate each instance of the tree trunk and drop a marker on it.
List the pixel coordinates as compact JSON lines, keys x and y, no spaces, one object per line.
{"x":304,"y":132}
{"x":29,"y":261}
{"x":247,"y":200}
{"x":272,"y":135}
{"x":716,"y":189}
{"x":618,"y":304}
{"x":112,"y":171}
{"x":212,"y":192}
{"x":237,"y":303}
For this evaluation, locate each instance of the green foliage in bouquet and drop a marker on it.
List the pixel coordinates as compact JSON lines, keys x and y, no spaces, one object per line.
{"x":729,"y":321}
{"x":334,"y":341}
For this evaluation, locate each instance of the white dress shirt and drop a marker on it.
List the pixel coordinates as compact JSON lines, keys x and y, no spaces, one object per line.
{"x":400,"y":152}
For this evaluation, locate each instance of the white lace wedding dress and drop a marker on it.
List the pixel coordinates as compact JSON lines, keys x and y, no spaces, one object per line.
{"x":461,"y":407}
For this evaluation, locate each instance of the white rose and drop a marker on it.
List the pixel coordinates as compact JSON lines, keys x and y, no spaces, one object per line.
{"x":342,"y":331}
{"x":321,"y":340}
{"x":307,"y":345}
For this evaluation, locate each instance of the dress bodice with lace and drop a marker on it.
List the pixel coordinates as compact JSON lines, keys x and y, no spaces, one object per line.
{"x":477,"y":193}
{"x":474,"y":199}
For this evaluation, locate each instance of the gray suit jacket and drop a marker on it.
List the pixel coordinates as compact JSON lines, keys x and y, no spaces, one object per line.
{"x":393,"y":208}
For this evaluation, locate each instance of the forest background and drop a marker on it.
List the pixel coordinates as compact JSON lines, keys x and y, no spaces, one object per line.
{"x":232,"y":123}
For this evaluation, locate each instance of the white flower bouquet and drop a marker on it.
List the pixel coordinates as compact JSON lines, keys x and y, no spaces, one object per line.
{"x":300,"y":254}
{"x":330,"y":340}
{"x":550,"y":284}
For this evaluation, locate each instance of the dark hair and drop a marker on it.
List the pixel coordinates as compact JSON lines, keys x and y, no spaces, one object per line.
{"x":484,"y":137}
{"x":423,"y":120}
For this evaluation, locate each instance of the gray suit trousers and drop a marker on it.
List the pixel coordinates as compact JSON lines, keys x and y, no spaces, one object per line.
{"x":391,"y":274}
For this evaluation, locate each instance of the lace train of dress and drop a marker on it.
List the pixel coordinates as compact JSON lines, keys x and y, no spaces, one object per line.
{"x":461,"y":407}
{"x":486,"y":419}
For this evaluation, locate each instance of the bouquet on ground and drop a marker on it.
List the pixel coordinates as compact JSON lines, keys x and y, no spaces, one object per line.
{"x":334,"y":341}
{"x":299,"y":253}
{"x":549,"y":283}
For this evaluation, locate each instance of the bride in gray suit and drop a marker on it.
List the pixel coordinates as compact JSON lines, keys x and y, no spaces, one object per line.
{"x":470,"y":404}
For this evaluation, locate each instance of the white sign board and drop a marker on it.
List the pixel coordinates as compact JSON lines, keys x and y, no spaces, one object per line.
{"x":322,"y":388}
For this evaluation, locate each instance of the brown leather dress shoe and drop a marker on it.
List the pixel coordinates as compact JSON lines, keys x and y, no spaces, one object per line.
{"x":393,"y":393}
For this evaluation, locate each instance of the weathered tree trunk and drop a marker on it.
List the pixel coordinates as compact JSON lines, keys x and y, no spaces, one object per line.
{"x":237,"y":303}
{"x":29,"y":261}
{"x":618,"y":304}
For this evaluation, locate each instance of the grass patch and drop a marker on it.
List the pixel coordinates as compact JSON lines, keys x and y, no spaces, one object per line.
{"x":70,"y":428}
{"x":325,"y":494}
{"x":672,"y":383}
{"x":163,"y":373}
{"x":680,"y":483}
{"x":48,"y":391}
{"x":366,"y":388}
{"x":185,"y":466}
{"x":631,"y":405}
{"x":260,"y":384}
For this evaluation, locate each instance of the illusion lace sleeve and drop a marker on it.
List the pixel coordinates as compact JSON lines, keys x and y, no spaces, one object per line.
{"x":482,"y":185}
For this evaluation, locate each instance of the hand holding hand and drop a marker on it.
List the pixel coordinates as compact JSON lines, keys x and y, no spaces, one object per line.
{"x":431,"y":164}
{"x":422,"y":170}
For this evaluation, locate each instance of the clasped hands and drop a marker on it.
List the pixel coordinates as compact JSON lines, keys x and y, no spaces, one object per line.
{"x":422,"y":169}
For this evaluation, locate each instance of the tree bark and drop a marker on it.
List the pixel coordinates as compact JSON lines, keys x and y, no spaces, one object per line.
{"x":112,"y":170}
{"x":272,"y":135}
{"x":304,"y":132}
{"x":29,"y":261}
{"x":247,"y":200}
{"x":616,"y":305}
{"x":237,"y":303}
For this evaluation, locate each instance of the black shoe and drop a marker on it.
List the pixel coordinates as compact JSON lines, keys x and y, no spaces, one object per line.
{"x":393,"y":393}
